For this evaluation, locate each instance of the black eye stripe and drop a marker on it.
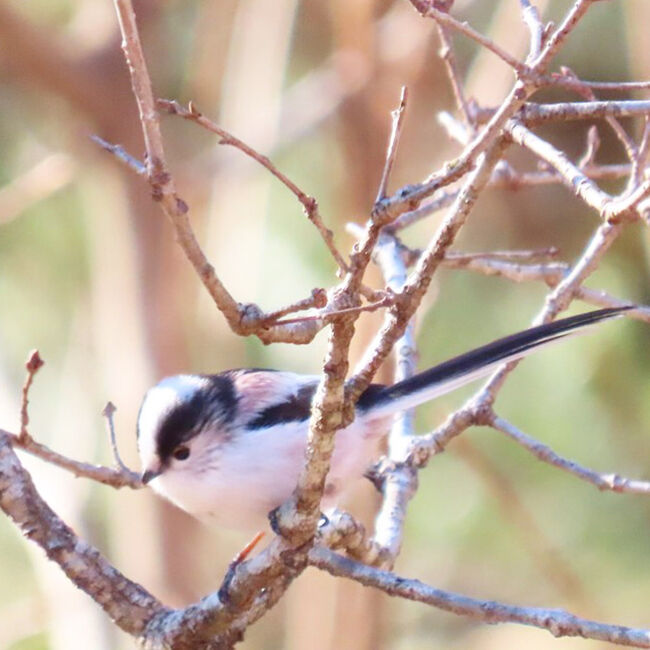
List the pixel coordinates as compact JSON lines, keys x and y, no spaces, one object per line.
{"x":214,"y":403}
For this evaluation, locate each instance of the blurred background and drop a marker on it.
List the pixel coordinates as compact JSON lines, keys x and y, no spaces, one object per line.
{"x":90,"y":275}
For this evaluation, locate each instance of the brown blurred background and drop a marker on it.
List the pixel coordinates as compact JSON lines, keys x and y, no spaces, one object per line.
{"x":90,"y":275}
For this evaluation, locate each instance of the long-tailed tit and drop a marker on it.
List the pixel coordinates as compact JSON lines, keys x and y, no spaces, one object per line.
{"x":228,"y":448}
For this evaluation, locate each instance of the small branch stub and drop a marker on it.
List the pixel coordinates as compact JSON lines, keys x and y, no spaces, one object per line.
{"x":33,"y":364}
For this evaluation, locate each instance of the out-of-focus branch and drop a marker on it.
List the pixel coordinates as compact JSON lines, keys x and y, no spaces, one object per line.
{"x":447,"y":55}
{"x":613,"y":482}
{"x":558,"y":622}
{"x":49,"y":175}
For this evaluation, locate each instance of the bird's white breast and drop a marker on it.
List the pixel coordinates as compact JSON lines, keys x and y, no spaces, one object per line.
{"x":257,"y":471}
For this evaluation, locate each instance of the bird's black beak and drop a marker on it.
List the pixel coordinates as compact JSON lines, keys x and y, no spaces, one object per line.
{"x":149,"y":475}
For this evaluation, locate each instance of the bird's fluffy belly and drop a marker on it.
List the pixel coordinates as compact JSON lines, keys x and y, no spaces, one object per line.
{"x":241,"y":490}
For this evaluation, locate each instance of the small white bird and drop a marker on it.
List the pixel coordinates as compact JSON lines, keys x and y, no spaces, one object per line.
{"x":228,"y":448}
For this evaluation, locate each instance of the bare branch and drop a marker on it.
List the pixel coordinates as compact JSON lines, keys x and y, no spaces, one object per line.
{"x":309,"y":203}
{"x":558,"y":622}
{"x":531,"y":19}
{"x":621,"y":86}
{"x":448,"y":21}
{"x":128,"y":604}
{"x":106,"y":475}
{"x":317,"y":299}
{"x":418,"y":282}
{"x":447,"y":55}
{"x":243,"y":319}
{"x":573,"y":178}
{"x":393,"y":143}
{"x":613,"y":482}
{"x":533,"y":114}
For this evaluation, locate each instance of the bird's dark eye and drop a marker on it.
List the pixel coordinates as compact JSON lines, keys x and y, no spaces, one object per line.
{"x":181,"y":453}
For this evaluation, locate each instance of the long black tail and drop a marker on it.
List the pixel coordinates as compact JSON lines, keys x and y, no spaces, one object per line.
{"x":475,"y":364}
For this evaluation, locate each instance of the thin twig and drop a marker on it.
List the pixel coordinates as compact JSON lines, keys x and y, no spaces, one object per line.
{"x":533,"y":114}
{"x":447,"y":55}
{"x":309,"y":203}
{"x":616,"y":126}
{"x":621,"y":86}
{"x":558,"y":622}
{"x":640,"y":161}
{"x":393,"y":143}
{"x":318,"y":299}
{"x":119,"y":152}
{"x":330,"y":316}
{"x":531,"y":19}
{"x":447,"y":20}
{"x":611,"y":482}
{"x":108,"y":412}
{"x":116,"y":478}
{"x":129,"y":605}
{"x":572,"y":176}
{"x":32,"y":365}
{"x":244,"y":319}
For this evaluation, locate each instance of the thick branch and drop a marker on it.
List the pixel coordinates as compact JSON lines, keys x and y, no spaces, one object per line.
{"x":127,"y":603}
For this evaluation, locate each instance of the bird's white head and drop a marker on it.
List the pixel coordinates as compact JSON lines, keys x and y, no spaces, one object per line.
{"x":181,"y":421}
